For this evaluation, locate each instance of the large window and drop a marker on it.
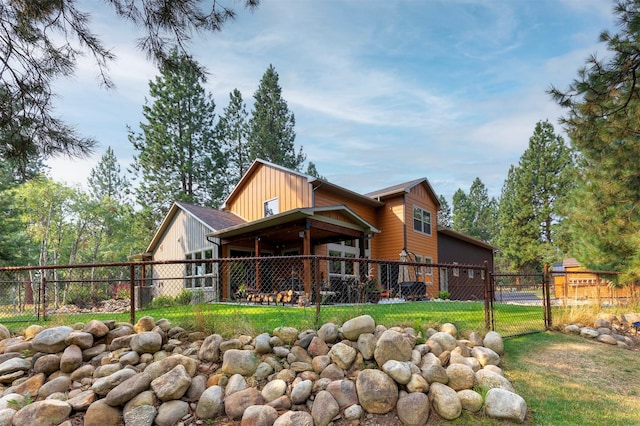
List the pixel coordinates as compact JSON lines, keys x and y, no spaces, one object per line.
{"x":421,"y":220}
{"x":342,"y":269}
{"x":199,"y":274}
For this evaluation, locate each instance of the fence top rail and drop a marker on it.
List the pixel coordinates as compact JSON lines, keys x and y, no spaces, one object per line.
{"x":585,"y":271}
{"x":240,"y":259}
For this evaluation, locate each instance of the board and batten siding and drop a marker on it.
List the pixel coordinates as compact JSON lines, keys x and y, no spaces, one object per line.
{"x":293,"y":191}
{"x":389,"y":243}
{"x":183,"y":235}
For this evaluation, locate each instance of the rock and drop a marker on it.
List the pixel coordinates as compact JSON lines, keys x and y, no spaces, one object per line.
{"x":450,"y":329}
{"x":31,"y":385}
{"x":392,"y":345}
{"x":485,"y":356}
{"x":505,"y":405}
{"x":100,"y":414}
{"x":58,"y":384}
{"x":445,"y":401}
{"x":80,"y":339}
{"x":4,"y":332}
{"x":236,"y":361}
{"x":487,"y":379}
{"x":141,"y":416}
{"x":263,"y":344}
{"x":398,"y":371}
{"x":417,"y":383}
{"x":324,"y":409}
{"x":71,"y":359}
{"x":328,"y":332}
{"x":96,"y":328}
{"x":342,"y":355}
{"x":317,"y":347}
{"x":344,"y":392}
{"x":354,"y":327}
{"x":572,"y":329}
{"x":493,"y":340}
{"x":413,"y":409}
{"x":353,"y":413}
{"x":47,"y":364}
{"x":6,"y":416}
{"x":607,"y":338}
{"x":171,"y":412}
{"x":445,"y":340}
{"x":158,"y":368}
{"x":259,"y":415}
{"x":126,"y":390}
{"x":172,"y":385}
{"x":589,"y":332}
{"x":287,"y":334}
{"x":145,"y":323}
{"x":367,"y":345}
{"x":471,"y":400}
{"x":294,"y":418}
{"x":235,"y":404}
{"x":14,"y":364}
{"x":236,"y":383}
{"x":47,"y":412}
{"x":460,"y":377}
{"x":211,"y":403}
{"x":435,"y":373}
{"x":377,"y":392}
{"x":146,"y":342}
{"x":274,"y":390}
{"x":51,"y":340}
{"x":301,"y":392}
{"x":103,"y":385}
{"x":82,"y":401}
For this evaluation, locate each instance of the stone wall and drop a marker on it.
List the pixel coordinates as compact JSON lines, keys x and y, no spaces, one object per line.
{"x":107,"y":373}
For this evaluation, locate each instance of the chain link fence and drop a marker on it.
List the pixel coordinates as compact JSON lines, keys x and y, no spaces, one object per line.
{"x":257,"y":294}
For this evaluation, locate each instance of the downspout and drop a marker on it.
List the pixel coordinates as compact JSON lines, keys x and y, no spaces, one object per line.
{"x":404,"y":221}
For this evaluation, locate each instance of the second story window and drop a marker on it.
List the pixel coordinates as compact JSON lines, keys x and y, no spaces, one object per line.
{"x":421,"y":220}
{"x":271,"y":207}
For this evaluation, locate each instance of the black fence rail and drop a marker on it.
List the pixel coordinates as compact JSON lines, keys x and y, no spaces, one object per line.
{"x":304,"y":291}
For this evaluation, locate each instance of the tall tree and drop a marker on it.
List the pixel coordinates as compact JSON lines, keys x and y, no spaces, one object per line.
{"x":179,"y":157}
{"x":272,"y":133}
{"x":40,"y":41}
{"x":530,"y":206}
{"x":445,"y":218}
{"x":602,"y":120}
{"x":12,"y":238}
{"x":106,"y":180}
{"x":475,"y":214}
{"x":233,"y":130}
{"x":313,"y":171}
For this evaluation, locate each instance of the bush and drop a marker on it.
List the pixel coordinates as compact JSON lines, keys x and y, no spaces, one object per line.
{"x":444,"y":295}
{"x":184,"y":298}
{"x":122,"y":291}
{"x":84,"y":297}
{"x":162,"y":302}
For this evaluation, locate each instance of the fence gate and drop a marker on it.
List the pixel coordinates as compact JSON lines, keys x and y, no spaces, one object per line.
{"x":519,"y":303}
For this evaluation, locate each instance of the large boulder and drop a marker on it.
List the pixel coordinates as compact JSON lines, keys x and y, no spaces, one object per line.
{"x":505,"y":405}
{"x":378,"y":393}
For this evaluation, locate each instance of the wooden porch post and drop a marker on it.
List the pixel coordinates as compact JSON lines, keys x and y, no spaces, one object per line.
{"x":306,"y":263}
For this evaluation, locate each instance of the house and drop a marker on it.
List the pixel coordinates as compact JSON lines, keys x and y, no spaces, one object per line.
{"x":571,"y":281}
{"x":181,"y":235}
{"x":463,"y":283}
{"x":275,"y":211}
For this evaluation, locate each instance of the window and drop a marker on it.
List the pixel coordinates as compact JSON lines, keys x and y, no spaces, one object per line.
{"x":342,"y":269}
{"x":470,"y":274}
{"x":456,"y":271}
{"x":421,"y":220}
{"x":198,"y":275}
{"x":271,"y":207}
{"x":424,"y":270}
{"x":482,"y":274}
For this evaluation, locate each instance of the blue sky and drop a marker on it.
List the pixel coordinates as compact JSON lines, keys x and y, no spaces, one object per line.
{"x":383,"y":91}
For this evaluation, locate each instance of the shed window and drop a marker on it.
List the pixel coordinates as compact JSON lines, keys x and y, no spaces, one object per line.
{"x":271,"y":207}
{"x":421,"y":220}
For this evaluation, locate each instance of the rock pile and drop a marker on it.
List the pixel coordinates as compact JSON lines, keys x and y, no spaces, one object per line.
{"x":610,"y":329}
{"x":106,"y":373}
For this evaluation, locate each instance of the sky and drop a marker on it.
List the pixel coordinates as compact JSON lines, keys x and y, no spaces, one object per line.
{"x":383,"y":91}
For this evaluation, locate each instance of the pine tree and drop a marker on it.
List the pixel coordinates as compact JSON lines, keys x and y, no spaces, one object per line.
{"x":530,"y":206}
{"x":106,"y":179}
{"x":232,"y":130}
{"x":445,"y":217}
{"x":312,"y":171}
{"x":603,"y":106}
{"x":179,"y":157}
{"x":272,"y":134}
{"x":475,"y":214}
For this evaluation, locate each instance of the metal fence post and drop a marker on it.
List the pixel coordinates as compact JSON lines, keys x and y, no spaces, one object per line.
{"x":548,"y":322}
{"x":42,"y":295}
{"x":488,"y":298}
{"x":132,"y":292}
{"x":316,"y":289}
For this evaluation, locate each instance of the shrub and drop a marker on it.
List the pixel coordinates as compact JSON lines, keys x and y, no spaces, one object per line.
{"x":162,"y":302}
{"x":184,"y":298}
{"x":85,"y":297}
{"x":122,"y":291}
{"x":444,"y":295}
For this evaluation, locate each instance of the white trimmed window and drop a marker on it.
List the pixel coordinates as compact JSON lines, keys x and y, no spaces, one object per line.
{"x":200,"y":275}
{"x":271,"y":207}
{"x":421,"y":220}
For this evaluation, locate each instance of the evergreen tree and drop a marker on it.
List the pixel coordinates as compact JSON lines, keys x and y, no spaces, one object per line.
{"x":272,"y":134}
{"x":530,"y":206}
{"x":312,"y":171}
{"x":42,"y":41}
{"x":603,"y":106}
{"x":232,"y":130}
{"x":475,"y":214}
{"x":106,"y":179}
{"x":179,"y":157}
{"x":12,"y":238}
{"x":445,"y":218}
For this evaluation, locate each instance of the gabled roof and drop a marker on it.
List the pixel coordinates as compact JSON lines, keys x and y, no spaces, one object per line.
{"x":292,"y":215}
{"x":212,"y":219}
{"x":404,"y":188}
{"x":460,"y":236}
